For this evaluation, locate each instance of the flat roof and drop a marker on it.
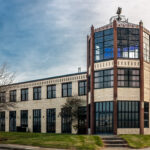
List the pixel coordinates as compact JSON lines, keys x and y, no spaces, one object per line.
{"x":55,"y":77}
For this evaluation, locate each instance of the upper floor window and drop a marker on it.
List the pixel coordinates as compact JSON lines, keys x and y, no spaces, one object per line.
{"x":66,"y":89}
{"x":146,"y":47}
{"x":103,"y":79}
{"x":103,"y":45}
{"x":36,"y":93}
{"x":24,"y":94}
{"x":128,"y":77}
{"x":2,"y":97}
{"x":82,"y":87}
{"x":128,"y":42}
{"x":13,"y":96}
{"x":51,"y":91}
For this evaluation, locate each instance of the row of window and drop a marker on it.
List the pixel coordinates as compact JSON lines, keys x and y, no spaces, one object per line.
{"x":126,"y":78}
{"x":51,"y":92}
{"x":66,"y":122}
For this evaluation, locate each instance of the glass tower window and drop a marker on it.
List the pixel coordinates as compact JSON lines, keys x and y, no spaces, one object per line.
{"x":103,"y":45}
{"x":103,"y":79}
{"x":128,"y":78}
{"x":146,"y":115}
{"x":146,"y":47}
{"x":104,"y":117}
{"x":128,"y":42}
{"x":128,"y":114}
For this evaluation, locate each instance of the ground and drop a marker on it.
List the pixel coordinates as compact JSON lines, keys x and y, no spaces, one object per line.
{"x":137,"y":141}
{"x":64,"y":141}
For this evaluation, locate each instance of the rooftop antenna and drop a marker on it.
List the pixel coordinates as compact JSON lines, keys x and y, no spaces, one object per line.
{"x":119,"y":11}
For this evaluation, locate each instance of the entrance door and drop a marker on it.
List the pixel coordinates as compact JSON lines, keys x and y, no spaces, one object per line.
{"x":104,"y":117}
{"x":12,"y":121}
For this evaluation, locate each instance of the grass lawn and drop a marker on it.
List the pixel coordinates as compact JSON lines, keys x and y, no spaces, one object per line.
{"x":137,"y":141}
{"x":65,"y":141}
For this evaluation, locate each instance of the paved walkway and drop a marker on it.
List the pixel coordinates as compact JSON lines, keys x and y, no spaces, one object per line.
{"x":118,"y":148}
{"x":23,"y":147}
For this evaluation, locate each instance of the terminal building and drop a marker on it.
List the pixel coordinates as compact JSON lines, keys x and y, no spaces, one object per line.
{"x":115,"y":89}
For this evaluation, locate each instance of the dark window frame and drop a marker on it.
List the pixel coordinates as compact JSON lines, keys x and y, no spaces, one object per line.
{"x":146,"y":114}
{"x":128,"y":114}
{"x":52,"y":92}
{"x":37,"y":93}
{"x":84,"y":87}
{"x":24,"y":94}
{"x":24,"y":118}
{"x":37,"y":115}
{"x":13,"y":95}
{"x":67,"y":89}
{"x":127,"y":78}
{"x":2,"y":120}
{"x":51,"y":120}
{"x":2,"y":97}
{"x":66,"y":121}
{"x":105,"y":79}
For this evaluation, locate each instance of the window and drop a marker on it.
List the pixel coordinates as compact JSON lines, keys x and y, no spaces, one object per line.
{"x":24,"y":94}
{"x":82,"y":120}
{"x":13,"y":96}
{"x":24,"y":118}
{"x":103,"y":45}
{"x":51,"y":91}
{"x":36,"y":120}
{"x":128,"y":114}
{"x":51,"y":120}
{"x":36,"y":93}
{"x":103,"y":79}
{"x":104,"y":117}
{"x":66,"y":89}
{"x":82,"y":87}
{"x":146,"y":47}
{"x":146,"y":115}
{"x":2,"y":97}
{"x":2,"y":121}
{"x":128,"y":78}
{"x":128,"y":43}
{"x":66,"y":120}
{"x":12,"y":121}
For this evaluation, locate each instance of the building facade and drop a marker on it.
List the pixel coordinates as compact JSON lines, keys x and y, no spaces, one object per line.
{"x":115,"y":88}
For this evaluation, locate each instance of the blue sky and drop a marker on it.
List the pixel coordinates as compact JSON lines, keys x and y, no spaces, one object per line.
{"x":43,"y":38}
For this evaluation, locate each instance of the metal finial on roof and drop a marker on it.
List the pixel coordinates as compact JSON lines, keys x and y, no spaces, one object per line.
{"x":119,"y":17}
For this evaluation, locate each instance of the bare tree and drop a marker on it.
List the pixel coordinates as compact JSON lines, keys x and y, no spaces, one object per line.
{"x":6,"y":79}
{"x":72,"y":105}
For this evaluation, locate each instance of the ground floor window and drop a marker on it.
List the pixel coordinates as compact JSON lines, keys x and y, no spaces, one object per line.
{"x":146,"y":115}
{"x":104,"y":117}
{"x":12,"y":121}
{"x":82,"y":120}
{"x":128,"y":114}
{"x":51,"y":120}
{"x":2,"y":121}
{"x":36,"y":120}
{"x":24,"y":118}
{"x":66,"y":120}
